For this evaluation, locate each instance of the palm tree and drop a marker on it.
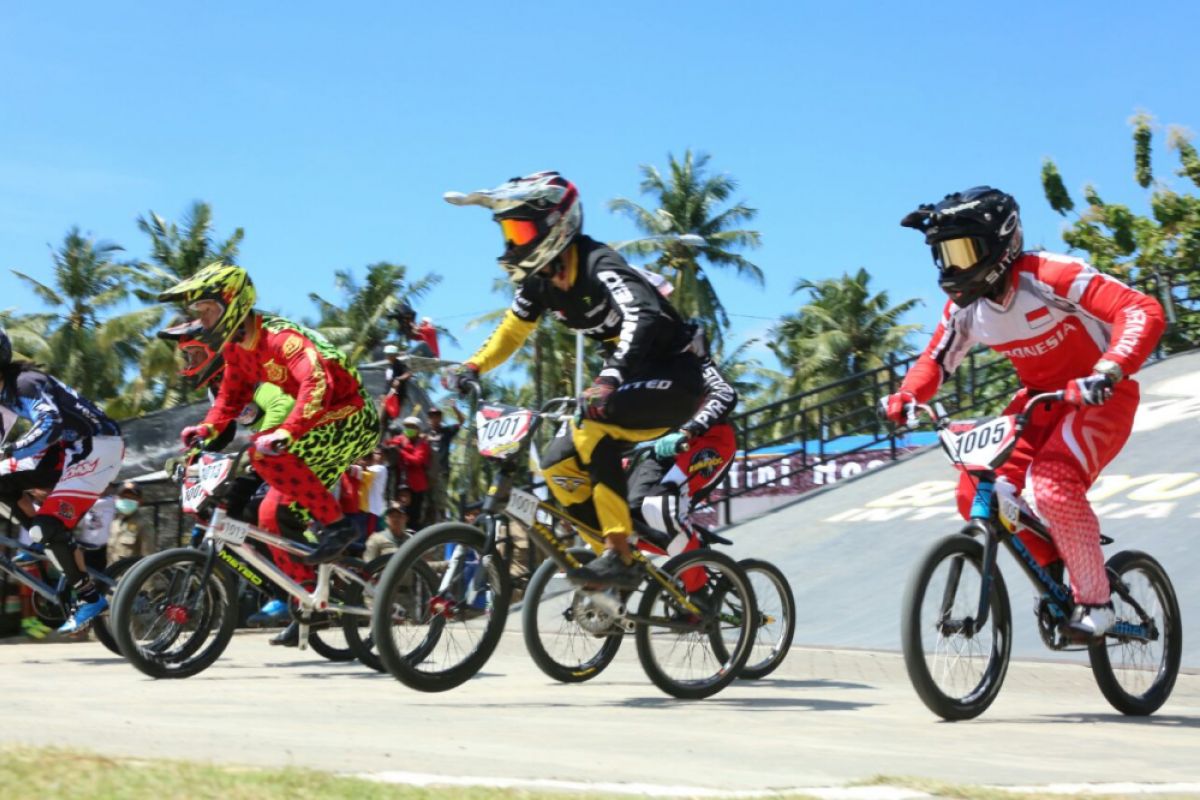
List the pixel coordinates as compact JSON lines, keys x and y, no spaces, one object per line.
{"x":688,"y":203}
{"x":29,"y":333}
{"x":87,"y":352}
{"x":180,"y":251}
{"x":841,"y":332}
{"x":177,"y":251}
{"x":359,"y":323}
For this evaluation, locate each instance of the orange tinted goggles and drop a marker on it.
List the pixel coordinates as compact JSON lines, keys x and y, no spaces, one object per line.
{"x":518,"y":231}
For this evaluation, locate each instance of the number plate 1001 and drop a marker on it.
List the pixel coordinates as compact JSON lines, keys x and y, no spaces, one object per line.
{"x":522,"y":505}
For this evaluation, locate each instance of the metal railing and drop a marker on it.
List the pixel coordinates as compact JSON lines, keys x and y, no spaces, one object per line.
{"x":812,"y":422}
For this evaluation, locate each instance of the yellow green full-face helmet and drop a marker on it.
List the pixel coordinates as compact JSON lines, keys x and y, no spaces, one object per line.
{"x":227,"y":285}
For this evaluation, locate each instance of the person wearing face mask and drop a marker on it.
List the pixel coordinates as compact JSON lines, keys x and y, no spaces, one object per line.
{"x":414,"y":453}
{"x":127,"y":536}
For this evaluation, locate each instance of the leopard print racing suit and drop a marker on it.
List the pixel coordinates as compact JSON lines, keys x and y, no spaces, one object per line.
{"x":332,"y":424}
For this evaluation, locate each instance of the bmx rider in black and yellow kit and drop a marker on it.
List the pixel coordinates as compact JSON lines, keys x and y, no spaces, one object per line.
{"x":651,"y":381}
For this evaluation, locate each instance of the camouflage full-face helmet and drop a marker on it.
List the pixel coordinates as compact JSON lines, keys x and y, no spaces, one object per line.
{"x":228,"y":286}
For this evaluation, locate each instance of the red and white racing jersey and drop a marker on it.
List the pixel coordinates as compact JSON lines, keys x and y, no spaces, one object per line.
{"x":1064,"y":316}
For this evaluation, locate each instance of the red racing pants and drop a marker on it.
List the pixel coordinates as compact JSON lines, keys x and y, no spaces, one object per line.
{"x":1060,"y":456}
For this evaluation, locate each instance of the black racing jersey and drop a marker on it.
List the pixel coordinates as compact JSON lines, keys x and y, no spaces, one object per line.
{"x":609,"y":302}
{"x":56,"y":412}
{"x":719,"y":400}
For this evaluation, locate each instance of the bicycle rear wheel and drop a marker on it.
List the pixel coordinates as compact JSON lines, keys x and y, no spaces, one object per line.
{"x":695,"y":655}
{"x":776,"y":618}
{"x":569,"y":637}
{"x":170,"y":619}
{"x":101,"y":625}
{"x":1136,"y":672}
{"x":357,"y":629}
{"x":440,"y":643}
{"x":956,"y":669}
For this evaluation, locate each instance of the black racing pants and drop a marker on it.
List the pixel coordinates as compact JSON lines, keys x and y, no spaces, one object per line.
{"x":582,"y":466}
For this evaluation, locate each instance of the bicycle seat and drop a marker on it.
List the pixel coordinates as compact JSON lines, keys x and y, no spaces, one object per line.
{"x":652,"y":535}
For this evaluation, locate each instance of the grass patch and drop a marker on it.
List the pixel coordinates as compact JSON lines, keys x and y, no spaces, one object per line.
{"x":51,"y":774}
{"x":942,"y":789}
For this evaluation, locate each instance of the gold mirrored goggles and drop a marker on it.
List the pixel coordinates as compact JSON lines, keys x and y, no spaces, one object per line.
{"x":958,"y":254}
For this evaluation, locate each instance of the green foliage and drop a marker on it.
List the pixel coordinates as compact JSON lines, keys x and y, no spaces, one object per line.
{"x":360,"y":322}
{"x":1158,"y":253}
{"x":1056,"y":193}
{"x":689,"y":202}
{"x":1142,"y":135}
{"x":840,"y":333}
{"x":85,"y":348}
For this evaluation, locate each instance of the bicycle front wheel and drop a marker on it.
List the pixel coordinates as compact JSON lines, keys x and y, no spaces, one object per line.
{"x":695,"y":654}
{"x":776,"y":618}
{"x":436,"y":643}
{"x":1137,"y":662}
{"x":357,"y":628}
{"x":171,"y":618}
{"x":956,"y":665}
{"x":569,"y":637}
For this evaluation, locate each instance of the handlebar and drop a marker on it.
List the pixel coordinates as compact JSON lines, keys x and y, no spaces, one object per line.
{"x":937,"y":414}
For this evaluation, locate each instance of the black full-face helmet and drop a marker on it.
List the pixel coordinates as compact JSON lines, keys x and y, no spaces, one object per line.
{"x":539,"y":215}
{"x":975,"y":237}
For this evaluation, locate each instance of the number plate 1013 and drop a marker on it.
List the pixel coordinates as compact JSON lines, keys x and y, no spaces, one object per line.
{"x":232,"y":531}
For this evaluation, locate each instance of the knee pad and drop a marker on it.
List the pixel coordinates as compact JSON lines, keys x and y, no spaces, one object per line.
{"x":660,"y":509}
{"x":49,"y":531}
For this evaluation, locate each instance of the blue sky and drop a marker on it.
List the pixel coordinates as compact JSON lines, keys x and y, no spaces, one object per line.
{"x":330,"y":131}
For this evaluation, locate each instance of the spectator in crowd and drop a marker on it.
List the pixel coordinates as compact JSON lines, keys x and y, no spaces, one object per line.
{"x":94,"y":530}
{"x":415,"y":455}
{"x":426,"y":336}
{"x":395,"y":531}
{"x":349,"y":487}
{"x":375,"y":481}
{"x":396,"y":376}
{"x":440,"y":436}
{"x":127,"y":536}
{"x":21,"y":599}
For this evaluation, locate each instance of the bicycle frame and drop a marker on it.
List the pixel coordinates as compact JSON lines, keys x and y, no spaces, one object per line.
{"x":503,"y":499}
{"x":55,"y":594}
{"x":988,"y":521}
{"x":227,"y":542}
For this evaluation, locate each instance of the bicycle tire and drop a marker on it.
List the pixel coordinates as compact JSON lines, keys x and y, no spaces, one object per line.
{"x":101,"y":624}
{"x":218,"y":605}
{"x":1167,"y":670}
{"x":753,"y":671}
{"x":406,"y":666}
{"x":352,"y":625}
{"x":533,"y":633}
{"x":980,"y":695}
{"x":731,"y":581}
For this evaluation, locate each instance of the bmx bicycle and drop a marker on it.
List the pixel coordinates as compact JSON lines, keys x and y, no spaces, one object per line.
{"x":956,"y":623}
{"x":695,"y":615}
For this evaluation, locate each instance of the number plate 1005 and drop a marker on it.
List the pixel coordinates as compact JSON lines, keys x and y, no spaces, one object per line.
{"x":522,"y":505}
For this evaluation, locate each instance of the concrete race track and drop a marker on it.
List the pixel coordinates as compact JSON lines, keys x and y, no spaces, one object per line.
{"x":825,"y":718}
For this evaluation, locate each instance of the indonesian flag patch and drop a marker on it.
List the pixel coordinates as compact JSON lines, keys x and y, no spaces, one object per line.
{"x":1039,"y":318}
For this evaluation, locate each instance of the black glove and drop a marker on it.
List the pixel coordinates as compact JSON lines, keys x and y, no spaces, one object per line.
{"x":595,"y":397}
{"x":1093,"y":390}
{"x":459,"y":379}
